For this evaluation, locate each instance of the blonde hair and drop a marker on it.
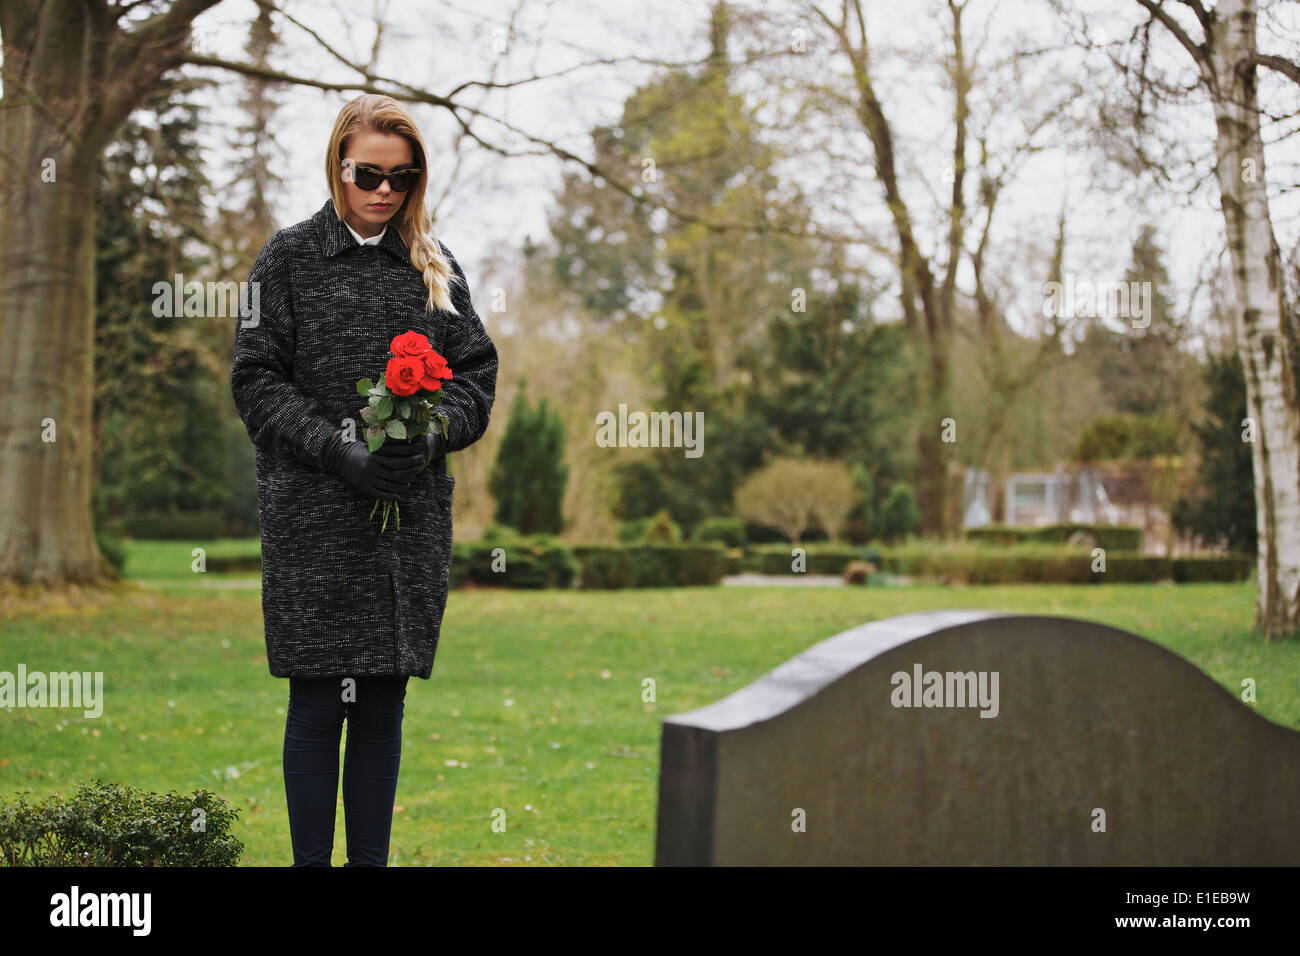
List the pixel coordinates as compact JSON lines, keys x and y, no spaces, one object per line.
{"x":383,"y":114}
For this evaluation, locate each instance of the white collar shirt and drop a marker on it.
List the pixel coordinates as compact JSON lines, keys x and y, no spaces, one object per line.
{"x":372,"y":241}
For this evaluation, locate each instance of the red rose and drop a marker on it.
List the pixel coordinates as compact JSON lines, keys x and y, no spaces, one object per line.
{"x":404,"y":375}
{"x":411,"y":344}
{"x":435,"y":369}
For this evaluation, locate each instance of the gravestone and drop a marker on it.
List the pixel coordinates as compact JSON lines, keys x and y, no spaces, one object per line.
{"x":975,"y":738}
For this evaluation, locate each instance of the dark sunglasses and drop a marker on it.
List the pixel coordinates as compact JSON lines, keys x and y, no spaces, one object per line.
{"x":368,"y":178}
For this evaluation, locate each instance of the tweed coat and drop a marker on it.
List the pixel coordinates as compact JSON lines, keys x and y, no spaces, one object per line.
{"x":338,"y":597}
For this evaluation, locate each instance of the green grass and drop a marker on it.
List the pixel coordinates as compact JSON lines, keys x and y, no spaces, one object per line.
{"x":535,"y":706}
{"x":174,"y":560}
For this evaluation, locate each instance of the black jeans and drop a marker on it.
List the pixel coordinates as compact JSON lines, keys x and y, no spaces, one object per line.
{"x":317,"y":707}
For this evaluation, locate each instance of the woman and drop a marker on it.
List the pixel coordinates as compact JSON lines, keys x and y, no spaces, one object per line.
{"x":351,"y":613}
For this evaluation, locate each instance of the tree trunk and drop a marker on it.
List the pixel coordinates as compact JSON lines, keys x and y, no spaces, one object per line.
{"x":1266,"y":334}
{"x":47,"y":374}
{"x":71,"y":77}
{"x":47,"y":343}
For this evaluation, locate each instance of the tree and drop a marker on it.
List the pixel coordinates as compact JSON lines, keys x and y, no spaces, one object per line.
{"x":529,"y":475}
{"x":155,"y":448}
{"x":928,"y":281}
{"x":899,"y":515}
{"x":1221,"y":511}
{"x":1222,"y":47}
{"x":72,"y":75}
{"x":836,"y":495}
{"x":788,"y":494}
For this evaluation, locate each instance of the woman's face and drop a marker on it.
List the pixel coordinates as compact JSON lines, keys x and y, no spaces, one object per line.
{"x":369,"y":212}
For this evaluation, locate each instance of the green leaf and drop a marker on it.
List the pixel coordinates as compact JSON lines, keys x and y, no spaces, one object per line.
{"x":395,"y":429}
{"x":374,"y":437}
{"x":364,"y":386}
{"x":369,"y":415}
{"x":444,"y":421}
{"x":374,"y":401}
{"x":385,"y":407}
{"x":404,"y":409}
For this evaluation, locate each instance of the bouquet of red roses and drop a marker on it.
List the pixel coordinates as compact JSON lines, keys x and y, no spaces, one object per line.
{"x":401,"y":406}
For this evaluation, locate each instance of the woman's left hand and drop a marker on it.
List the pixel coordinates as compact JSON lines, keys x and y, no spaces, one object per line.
{"x":432,"y":443}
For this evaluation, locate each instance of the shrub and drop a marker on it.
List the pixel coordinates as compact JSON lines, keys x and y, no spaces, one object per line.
{"x":900,"y":514}
{"x":496,"y":532}
{"x":1021,"y":564}
{"x":113,"y":549}
{"x":728,"y":531}
{"x":1218,"y":567}
{"x":658,"y":528}
{"x":531,"y":561}
{"x":632,"y":530}
{"x":106,"y":824}
{"x":818,"y":558}
{"x":662,"y":529}
{"x":1109,"y":537}
{"x":650,"y":566}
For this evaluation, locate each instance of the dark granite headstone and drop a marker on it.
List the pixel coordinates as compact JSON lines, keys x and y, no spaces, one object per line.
{"x":1091,"y":746}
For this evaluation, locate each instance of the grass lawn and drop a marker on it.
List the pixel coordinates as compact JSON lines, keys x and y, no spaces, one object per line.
{"x":535,"y":705}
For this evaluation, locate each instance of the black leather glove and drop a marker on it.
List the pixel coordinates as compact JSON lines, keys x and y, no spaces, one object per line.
{"x":380,"y":476}
{"x":429,"y":446}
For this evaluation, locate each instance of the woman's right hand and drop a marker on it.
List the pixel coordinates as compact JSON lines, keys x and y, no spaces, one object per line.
{"x":385,"y":477}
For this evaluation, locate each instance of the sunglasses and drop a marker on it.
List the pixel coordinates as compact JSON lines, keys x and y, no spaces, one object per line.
{"x":368,"y":178}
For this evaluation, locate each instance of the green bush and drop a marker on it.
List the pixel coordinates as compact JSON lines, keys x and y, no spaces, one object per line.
{"x":113,"y":549}
{"x":530,"y":561}
{"x":658,"y":528}
{"x":496,"y":532}
{"x":1225,"y":567}
{"x":1122,"y":568}
{"x":900,"y":514}
{"x":1021,"y":564}
{"x":1109,"y":537}
{"x":818,"y":558}
{"x":728,"y":531}
{"x":106,"y":824}
{"x":650,"y":566}
{"x":632,"y":531}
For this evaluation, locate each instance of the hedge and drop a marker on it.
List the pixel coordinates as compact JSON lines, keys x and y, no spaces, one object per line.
{"x":526,"y":561}
{"x":650,"y":566}
{"x":1110,"y":537}
{"x":1233,"y":566}
{"x":1046,"y":564}
{"x":818,"y":558}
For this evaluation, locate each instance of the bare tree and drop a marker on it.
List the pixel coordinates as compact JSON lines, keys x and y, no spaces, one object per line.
{"x":788,"y":494}
{"x":1223,"y":49}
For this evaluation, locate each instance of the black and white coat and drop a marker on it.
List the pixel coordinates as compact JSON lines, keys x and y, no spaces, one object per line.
{"x":338,"y":597}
